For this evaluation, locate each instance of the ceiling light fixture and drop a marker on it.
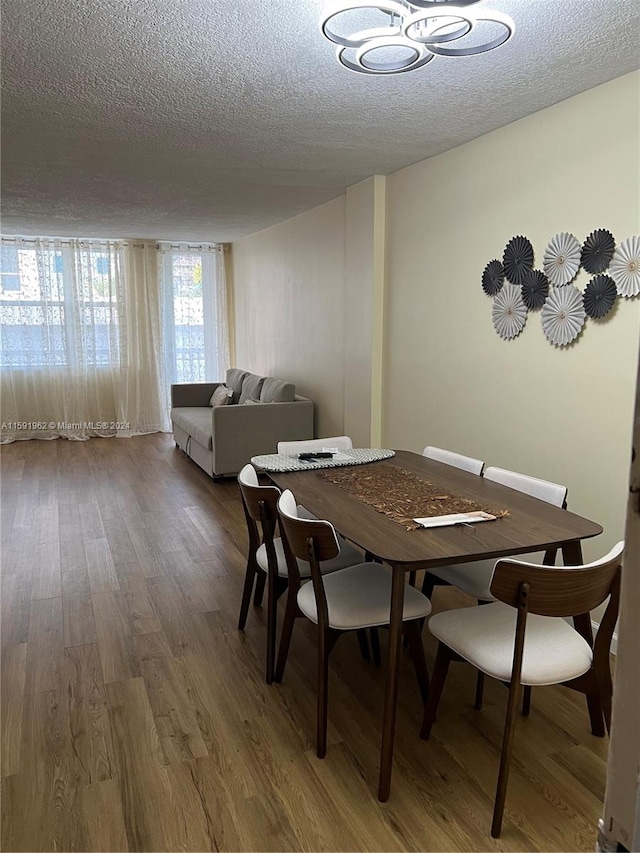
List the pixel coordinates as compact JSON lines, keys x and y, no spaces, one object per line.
{"x":392,"y":36}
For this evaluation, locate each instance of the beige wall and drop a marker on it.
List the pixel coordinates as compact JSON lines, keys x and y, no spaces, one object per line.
{"x":308,"y":298}
{"x":364,"y":300}
{"x":561,"y":414}
{"x":447,"y":378}
{"x":289,"y":307}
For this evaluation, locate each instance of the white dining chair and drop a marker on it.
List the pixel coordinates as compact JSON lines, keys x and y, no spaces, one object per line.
{"x":475,"y":578}
{"x":292,"y":448}
{"x":458,"y":460}
{"x":352,"y":599}
{"x":266,"y":562}
{"x":523,"y":638}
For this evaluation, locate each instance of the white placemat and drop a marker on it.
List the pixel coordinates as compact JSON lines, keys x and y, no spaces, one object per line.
{"x":282,"y":463}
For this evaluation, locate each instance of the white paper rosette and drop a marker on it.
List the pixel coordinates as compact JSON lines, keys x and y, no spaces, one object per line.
{"x":562,"y":259}
{"x":509,"y":311}
{"x":563,"y":315}
{"x":625,"y":267}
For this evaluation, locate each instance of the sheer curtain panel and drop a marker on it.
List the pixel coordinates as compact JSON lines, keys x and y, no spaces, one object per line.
{"x":195,"y":322}
{"x":80,"y":339}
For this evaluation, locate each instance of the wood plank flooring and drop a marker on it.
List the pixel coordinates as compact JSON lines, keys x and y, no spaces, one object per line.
{"x":135,"y":716}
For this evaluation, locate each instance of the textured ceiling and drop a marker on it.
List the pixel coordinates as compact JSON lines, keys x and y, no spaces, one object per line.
{"x":211,"y":119}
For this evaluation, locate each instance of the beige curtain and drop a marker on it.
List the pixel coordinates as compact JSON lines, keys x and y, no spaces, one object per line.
{"x":80,"y":340}
{"x":142,"y":400}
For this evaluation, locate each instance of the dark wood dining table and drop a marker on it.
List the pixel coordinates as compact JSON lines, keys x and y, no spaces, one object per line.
{"x":531,"y":525}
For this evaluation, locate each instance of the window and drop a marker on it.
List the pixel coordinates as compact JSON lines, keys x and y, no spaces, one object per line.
{"x":9,"y":278}
{"x":191,"y":308}
{"x":59,"y":306}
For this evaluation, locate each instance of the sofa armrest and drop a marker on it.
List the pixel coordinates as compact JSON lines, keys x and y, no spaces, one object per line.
{"x":192,"y":394}
{"x":240,"y":432}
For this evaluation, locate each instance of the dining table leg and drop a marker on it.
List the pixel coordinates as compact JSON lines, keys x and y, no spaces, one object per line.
{"x":391,"y":693}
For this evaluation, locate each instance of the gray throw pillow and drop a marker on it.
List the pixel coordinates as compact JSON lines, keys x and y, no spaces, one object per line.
{"x":221,"y":396}
{"x":251,"y":401}
{"x":251,"y":386}
{"x":277,"y":391}
{"x":234,"y":381}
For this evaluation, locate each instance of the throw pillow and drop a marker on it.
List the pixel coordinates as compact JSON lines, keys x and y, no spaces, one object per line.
{"x":277,"y":391}
{"x":251,"y":401}
{"x":251,"y":386}
{"x":221,"y":396}
{"x":234,"y":381}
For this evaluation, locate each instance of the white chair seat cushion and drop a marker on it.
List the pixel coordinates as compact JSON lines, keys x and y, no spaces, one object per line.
{"x":360,"y":597}
{"x":485,"y":636}
{"x":347,"y":557}
{"x":475,"y":578}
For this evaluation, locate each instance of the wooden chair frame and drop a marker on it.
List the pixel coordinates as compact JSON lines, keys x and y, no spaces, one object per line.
{"x":316,"y":541}
{"x":260,"y":504}
{"x":547,"y":591}
{"x":527,"y":484}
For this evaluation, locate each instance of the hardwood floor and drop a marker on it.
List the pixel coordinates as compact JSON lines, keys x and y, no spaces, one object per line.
{"x":135,"y":716}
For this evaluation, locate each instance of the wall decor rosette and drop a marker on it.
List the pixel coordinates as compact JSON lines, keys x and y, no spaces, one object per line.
{"x":563,"y":315}
{"x":535,"y":289}
{"x":597,"y":251}
{"x":562,"y":259}
{"x":599,"y":296}
{"x":517,"y":259}
{"x":516,"y":288}
{"x":625,"y":267}
{"x":492,"y":278}
{"x":509,"y":312}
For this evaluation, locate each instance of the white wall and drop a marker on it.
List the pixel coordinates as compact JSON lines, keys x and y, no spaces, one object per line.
{"x":561,"y":414}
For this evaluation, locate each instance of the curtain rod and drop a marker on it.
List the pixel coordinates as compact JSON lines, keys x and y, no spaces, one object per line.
{"x":161,"y":244}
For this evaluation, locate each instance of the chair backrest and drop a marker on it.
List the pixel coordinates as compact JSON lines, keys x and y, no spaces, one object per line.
{"x":563,"y":591}
{"x":253,"y":494}
{"x":457,"y":460}
{"x":558,"y":591}
{"x":248,"y":476}
{"x":300,"y":531}
{"x":552,"y":493}
{"x":292,"y":448}
{"x":260,"y":505}
{"x":311,"y":540}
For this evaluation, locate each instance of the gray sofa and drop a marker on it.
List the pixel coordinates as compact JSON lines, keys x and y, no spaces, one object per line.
{"x":261,"y":412}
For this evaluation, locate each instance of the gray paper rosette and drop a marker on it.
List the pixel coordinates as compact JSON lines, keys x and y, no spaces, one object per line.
{"x":563,"y":315}
{"x":562,"y":259}
{"x":625,"y":267}
{"x":509,"y":312}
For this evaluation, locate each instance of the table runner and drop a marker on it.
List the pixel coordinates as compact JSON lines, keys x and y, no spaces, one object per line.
{"x":402,"y":495}
{"x":282,"y":463}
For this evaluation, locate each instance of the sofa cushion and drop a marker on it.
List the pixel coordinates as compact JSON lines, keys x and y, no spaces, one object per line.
{"x":221,"y":396}
{"x":196,"y":422}
{"x":251,"y":387}
{"x":234,"y":381}
{"x":277,"y":391}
